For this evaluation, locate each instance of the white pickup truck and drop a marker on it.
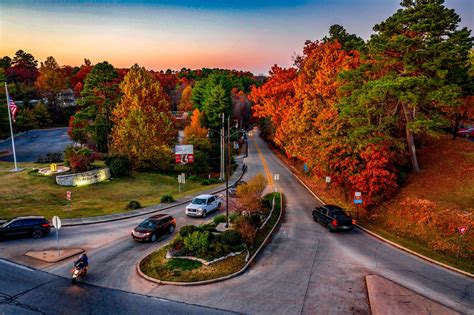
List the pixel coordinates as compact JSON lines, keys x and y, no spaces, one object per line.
{"x":202,"y":205}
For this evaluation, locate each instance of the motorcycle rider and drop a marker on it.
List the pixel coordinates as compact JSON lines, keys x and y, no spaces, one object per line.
{"x":82,"y":263}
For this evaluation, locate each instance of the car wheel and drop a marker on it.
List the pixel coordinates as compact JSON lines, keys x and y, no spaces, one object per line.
{"x":330,"y":229}
{"x":219,"y":206}
{"x":204,"y":214}
{"x":171,"y":229}
{"x":153,"y":238}
{"x":37,"y":234}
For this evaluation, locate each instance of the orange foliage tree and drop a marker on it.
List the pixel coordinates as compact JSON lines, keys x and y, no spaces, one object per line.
{"x":144,"y":128}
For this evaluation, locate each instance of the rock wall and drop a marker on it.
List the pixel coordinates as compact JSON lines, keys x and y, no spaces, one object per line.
{"x":82,"y":179}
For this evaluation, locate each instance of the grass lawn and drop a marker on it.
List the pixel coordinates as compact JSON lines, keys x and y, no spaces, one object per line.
{"x":26,"y":193}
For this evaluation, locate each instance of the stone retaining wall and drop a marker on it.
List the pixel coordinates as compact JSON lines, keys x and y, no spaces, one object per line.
{"x":82,"y":179}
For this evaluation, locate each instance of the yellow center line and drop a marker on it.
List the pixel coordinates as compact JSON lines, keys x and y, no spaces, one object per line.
{"x":265,"y":166}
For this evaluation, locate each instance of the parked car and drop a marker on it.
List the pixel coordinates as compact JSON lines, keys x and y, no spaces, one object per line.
{"x":154,"y":227}
{"x":202,"y":205}
{"x":35,"y":227}
{"x":333,"y":217}
{"x":466,"y":132}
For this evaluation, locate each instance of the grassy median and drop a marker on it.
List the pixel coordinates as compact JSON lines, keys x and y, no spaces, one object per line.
{"x":28,"y":193}
{"x":182,"y":270}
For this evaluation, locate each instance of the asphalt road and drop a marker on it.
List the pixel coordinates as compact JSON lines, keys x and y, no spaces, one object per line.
{"x":27,"y":291}
{"x":31,"y":144}
{"x":304,"y":270}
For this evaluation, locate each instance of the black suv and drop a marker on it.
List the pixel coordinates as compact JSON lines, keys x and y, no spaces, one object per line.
{"x":153,"y":227}
{"x":35,"y":227}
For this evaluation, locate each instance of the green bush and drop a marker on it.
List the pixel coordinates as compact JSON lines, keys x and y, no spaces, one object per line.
{"x":255,"y":219}
{"x":167,"y":198}
{"x":120,"y":165}
{"x":197,"y":243}
{"x":206,"y":182}
{"x":233,"y":216}
{"x":210,"y":227}
{"x":133,"y":204}
{"x":194,"y":178}
{"x":177,"y":242}
{"x":187,"y":230}
{"x":219,"y":219}
{"x":231,"y":238}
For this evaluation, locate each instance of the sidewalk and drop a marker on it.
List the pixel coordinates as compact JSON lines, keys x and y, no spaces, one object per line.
{"x":388,"y":298}
{"x":236,"y":176}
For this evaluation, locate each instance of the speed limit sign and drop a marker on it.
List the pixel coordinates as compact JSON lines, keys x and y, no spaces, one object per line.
{"x":68,"y":195}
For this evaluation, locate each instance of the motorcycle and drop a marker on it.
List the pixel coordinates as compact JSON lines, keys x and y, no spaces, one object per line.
{"x":78,"y":272}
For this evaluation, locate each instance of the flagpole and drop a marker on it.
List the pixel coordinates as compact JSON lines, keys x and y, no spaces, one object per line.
{"x":11,"y":127}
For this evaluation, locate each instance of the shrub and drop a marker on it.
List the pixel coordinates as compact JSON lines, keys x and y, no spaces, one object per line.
{"x":246,"y":230}
{"x":250,"y":194}
{"x":79,"y":159}
{"x":231,"y":238}
{"x":207,"y":227}
{"x":187,"y":230}
{"x":206,"y":182}
{"x":219,"y":219}
{"x":120,"y":165}
{"x":167,"y":198}
{"x":177,"y":243}
{"x":255,"y":219}
{"x":197,"y":242}
{"x":133,"y":204}
{"x":194,"y":178}
{"x":233,"y":216}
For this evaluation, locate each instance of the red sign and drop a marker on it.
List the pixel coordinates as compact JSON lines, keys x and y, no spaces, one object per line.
{"x":462,"y":229}
{"x":184,"y":158}
{"x":68,"y":195}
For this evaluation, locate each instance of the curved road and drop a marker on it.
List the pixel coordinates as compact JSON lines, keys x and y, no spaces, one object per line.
{"x":304,"y":270}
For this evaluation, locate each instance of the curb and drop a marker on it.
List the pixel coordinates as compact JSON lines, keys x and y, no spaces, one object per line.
{"x":435,"y":262}
{"x":180,"y":203}
{"x":235,"y":274}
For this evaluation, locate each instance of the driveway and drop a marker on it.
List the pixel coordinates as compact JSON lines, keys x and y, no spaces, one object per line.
{"x":31,"y":144}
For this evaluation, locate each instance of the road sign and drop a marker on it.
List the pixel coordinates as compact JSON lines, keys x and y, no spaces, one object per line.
{"x":305,"y":167}
{"x":183,"y":178}
{"x":184,"y":154}
{"x":68,"y":195}
{"x":328,"y":179}
{"x":357,"y":197}
{"x":462,"y":229}
{"x":56,"y":222}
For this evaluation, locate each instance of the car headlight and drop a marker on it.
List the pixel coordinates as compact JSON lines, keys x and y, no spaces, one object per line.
{"x":199,"y":209}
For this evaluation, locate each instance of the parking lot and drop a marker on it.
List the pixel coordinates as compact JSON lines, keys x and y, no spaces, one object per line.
{"x":31,"y":144}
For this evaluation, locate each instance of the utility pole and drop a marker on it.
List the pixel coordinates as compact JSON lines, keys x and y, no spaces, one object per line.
{"x":227,"y":174}
{"x":222,"y":148}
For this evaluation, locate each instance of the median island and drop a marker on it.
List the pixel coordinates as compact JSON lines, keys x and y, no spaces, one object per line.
{"x":206,"y":253}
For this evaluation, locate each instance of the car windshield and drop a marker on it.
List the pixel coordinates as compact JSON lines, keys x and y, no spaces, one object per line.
{"x":198,"y":201}
{"x":147,"y":224}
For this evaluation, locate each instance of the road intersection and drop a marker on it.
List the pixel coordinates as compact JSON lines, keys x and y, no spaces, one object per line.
{"x":304,"y":270}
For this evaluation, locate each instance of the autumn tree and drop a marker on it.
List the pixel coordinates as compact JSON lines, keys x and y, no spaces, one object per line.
{"x":185,"y":103}
{"x":98,"y":99}
{"x":144,"y":128}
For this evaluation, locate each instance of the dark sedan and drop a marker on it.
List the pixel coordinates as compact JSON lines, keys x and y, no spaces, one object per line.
{"x":334,"y":218}
{"x":154,"y":227}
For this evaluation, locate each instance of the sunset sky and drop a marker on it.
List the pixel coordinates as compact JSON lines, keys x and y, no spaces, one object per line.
{"x":245,"y":35}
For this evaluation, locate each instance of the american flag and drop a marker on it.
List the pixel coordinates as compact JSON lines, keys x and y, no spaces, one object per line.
{"x":13,"y":109}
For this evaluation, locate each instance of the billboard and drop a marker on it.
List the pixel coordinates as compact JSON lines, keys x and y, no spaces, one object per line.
{"x":184,"y":154}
